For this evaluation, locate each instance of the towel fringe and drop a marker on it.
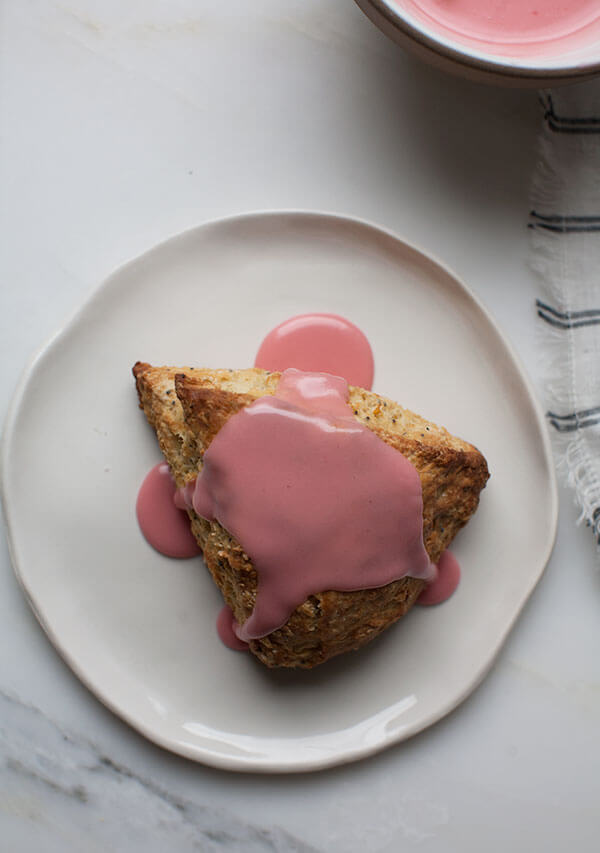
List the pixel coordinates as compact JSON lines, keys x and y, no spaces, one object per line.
{"x":561,"y":263}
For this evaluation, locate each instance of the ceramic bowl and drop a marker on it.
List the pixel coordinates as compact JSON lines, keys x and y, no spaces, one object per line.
{"x":568,"y":59}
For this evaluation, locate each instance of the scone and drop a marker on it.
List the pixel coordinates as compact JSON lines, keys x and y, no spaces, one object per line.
{"x":188,"y":406}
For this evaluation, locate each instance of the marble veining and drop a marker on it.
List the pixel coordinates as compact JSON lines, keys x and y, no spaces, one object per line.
{"x":61,"y":782}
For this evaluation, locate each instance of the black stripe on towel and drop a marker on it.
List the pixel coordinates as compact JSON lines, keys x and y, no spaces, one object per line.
{"x":565,"y":124}
{"x":569,"y":319}
{"x":574,"y":421}
{"x":561,"y":224}
{"x":573,"y":427}
{"x":560,"y":218}
{"x":560,"y":324}
{"x":567,"y":315}
{"x":584,"y":413}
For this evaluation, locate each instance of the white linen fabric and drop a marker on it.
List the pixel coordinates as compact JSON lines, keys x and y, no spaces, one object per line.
{"x":565,"y":229}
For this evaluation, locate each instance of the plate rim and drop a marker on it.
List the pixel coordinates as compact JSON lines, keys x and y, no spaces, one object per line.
{"x":266,"y":763}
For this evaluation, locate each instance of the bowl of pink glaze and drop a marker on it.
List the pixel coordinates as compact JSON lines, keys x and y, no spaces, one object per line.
{"x":513,"y":42}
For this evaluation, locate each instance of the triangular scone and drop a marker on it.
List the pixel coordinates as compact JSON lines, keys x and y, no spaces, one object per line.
{"x":188,"y":406}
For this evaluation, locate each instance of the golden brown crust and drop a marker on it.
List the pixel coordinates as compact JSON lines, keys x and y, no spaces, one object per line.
{"x":205,"y":410}
{"x":188,"y":406}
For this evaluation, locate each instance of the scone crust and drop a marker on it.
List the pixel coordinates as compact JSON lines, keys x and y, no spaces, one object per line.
{"x":188,"y":406}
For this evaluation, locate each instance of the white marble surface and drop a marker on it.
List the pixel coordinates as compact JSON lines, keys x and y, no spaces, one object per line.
{"x":122,"y":123}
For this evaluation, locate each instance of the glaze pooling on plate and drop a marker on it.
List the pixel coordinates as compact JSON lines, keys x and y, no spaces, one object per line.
{"x":131,"y":624}
{"x":444,"y":584}
{"x":325,"y":343}
{"x":165,"y":526}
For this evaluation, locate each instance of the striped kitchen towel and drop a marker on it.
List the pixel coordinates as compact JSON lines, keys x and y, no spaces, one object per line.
{"x":565,"y":229}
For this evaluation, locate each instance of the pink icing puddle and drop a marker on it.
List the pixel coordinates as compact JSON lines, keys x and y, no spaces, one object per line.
{"x":322,"y":343}
{"x":226,"y":630}
{"x":164,"y":526}
{"x":507,"y":22}
{"x":446,"y":582}
{"x":317,"y":500}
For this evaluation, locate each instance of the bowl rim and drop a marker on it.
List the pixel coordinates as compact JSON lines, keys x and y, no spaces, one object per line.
{"x":480,"y":61}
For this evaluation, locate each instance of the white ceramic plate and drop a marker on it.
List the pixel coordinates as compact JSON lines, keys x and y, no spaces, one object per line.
{"x":138,"y":628}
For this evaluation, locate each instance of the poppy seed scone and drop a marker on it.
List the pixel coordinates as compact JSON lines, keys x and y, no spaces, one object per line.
{"x":188,"y":406}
